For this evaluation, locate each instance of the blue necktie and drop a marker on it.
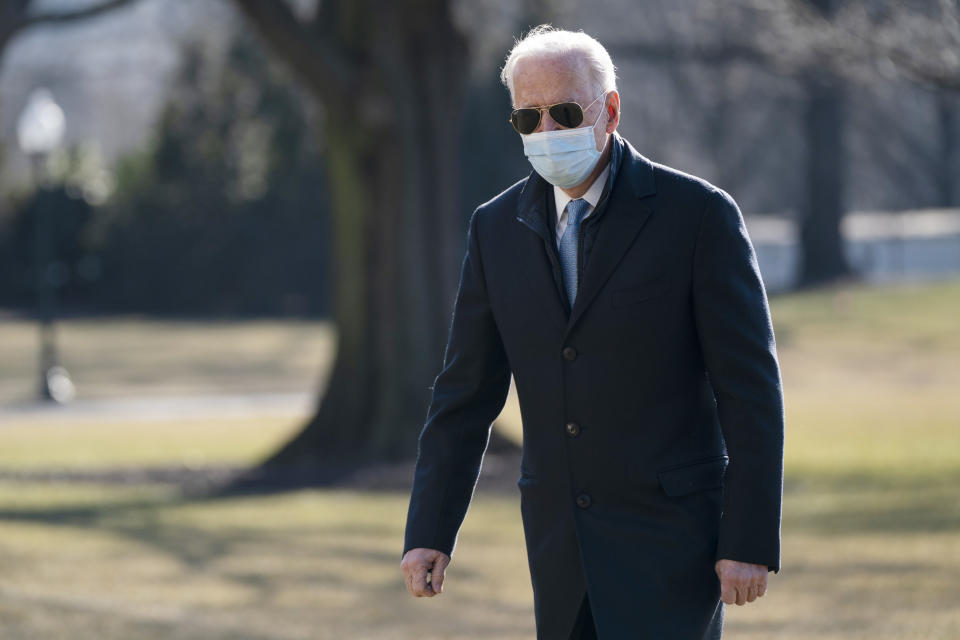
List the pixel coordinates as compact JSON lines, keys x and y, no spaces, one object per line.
{"x":576,"y":210}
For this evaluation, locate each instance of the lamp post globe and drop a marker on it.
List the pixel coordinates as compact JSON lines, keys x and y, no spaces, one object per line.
{"x":41,"y":125}
{"x":40,"y":130}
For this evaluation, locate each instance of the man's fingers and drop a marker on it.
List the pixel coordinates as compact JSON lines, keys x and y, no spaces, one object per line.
{"x":727,"y":592}
{"x":741,"y":596}
{"x":741,"y":582}
{"x":439,"y":571}
{"x":742,"y":590}
{"x":423,"y":571}
{"x":420,"y":585}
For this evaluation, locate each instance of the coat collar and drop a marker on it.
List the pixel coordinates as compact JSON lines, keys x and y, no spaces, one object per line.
{"x":627,"y":209}
{"x":635,"y":169}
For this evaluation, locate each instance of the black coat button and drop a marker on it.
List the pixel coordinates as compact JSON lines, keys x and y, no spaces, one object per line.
{"x":583,"y":501}
{"x":570,"y":353}
{"x":573,"y":429}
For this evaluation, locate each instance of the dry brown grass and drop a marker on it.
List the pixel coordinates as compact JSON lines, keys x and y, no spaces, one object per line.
{"x":871,"y":528}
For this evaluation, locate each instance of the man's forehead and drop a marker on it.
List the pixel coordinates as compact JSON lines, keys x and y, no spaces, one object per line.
{"x":550,"y":78}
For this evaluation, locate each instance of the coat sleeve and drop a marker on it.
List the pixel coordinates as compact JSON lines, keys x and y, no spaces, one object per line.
{"x":468,"y":394}
{"x":736,"y":336}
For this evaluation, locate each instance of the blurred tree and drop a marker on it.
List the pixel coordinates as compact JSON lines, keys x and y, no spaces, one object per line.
{"x":948,"y":155}
{"x":903,"y":142}
{"x":20,"y":15}
{"x":71,"y":271}
{"x":796,"y":54}
{"x":822,"y":257}
{"x":224,"y":211}
{"x":824,"y":44}
{"x":833,"y":42}
{"x":391,"y":78}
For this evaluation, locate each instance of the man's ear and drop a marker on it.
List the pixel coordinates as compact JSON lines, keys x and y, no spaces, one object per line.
{"x":613,"y":110}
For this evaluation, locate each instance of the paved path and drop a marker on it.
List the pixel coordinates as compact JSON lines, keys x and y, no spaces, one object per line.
{"x":148,"y":408}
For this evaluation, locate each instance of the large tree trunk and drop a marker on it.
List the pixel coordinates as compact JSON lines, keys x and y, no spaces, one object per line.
{"x":948,"y":160}
{"x":822,"y":253}
{"x":822,"y":257}
{"x":392,"y":141}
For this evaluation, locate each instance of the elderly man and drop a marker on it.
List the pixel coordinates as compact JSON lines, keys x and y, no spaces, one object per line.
{"x":624,"y":298}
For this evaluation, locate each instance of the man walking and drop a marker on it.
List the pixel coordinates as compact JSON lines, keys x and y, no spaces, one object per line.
{"x":624,"y":298}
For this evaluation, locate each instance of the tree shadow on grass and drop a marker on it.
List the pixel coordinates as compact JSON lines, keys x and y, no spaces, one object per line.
{"x":308,"y":557}
{"x":864,"y":503}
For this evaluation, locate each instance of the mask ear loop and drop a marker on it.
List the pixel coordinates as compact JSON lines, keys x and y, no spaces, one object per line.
{"x":602,"y":95}
{"x":583,"y":110}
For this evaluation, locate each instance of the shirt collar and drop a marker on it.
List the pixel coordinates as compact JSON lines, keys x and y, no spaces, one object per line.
{"x":534,"y":210}
{"x":592,"y":196}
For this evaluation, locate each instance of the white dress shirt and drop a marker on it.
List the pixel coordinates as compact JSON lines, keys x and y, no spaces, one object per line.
{"x":592,"y":196}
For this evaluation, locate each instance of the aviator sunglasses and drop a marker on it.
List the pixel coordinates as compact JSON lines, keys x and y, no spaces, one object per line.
{"x":566,"y":114}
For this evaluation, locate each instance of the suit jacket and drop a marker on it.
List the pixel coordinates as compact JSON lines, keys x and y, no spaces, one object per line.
{"x":652,"y":411}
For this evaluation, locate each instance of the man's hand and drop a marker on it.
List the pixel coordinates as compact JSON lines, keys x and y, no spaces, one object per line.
{"x":741,"y":582}
{"x":416,"y":563}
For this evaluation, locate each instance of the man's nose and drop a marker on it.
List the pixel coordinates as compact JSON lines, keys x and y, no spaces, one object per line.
{"x":546,"y":122}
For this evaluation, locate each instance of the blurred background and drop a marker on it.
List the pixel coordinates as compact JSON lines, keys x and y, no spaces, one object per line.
{"x":230,"y":237}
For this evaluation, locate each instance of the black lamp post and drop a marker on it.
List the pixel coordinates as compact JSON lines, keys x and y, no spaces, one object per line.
{"x":39,"y":131}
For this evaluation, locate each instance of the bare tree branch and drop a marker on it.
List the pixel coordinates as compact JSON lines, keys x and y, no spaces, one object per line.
{"x":858,"y":41}
{"x":685,"y":52}
{"x":64,"y":17}
{"x":15,"y":17}
{"x":325,"y":69}
{"x":920,"y":42}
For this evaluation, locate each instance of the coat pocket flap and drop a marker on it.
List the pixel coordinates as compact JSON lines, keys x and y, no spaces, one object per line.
{"x":526,"y":478}
{"x":706,"y":474}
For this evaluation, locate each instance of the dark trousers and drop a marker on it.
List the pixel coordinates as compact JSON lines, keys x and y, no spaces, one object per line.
{"x":583,"y":628}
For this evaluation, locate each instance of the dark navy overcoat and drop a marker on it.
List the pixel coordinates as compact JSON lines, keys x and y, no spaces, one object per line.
{"x":652,"y":411}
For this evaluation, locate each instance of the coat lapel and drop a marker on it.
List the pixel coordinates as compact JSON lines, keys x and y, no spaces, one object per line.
{"x":536,"y":266}
{"x":625,"y":215}
{"x":623,"y":219}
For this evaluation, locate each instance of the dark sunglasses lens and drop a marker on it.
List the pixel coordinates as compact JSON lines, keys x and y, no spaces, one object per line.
{"x":525,"y":120}
{"x":567,"y":114}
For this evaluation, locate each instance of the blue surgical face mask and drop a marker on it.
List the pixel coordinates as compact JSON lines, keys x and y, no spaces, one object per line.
{"x":563,"y":157}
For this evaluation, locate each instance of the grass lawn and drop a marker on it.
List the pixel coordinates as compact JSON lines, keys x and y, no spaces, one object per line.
{"x":119,"y":356}
{"x":871,"y":526}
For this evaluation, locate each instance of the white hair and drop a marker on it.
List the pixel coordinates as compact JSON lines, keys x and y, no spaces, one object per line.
{"x":544,"y":40}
